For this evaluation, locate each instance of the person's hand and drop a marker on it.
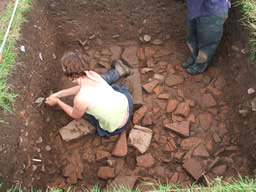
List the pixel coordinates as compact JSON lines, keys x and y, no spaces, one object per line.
{"x":51,"y":101}
{"x":55,"y":95}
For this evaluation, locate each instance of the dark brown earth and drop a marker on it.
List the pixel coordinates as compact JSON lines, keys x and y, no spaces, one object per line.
{"x":56,"y":26}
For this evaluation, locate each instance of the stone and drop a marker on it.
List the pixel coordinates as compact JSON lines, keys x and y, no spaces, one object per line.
{"x":181,"y":128}
{"x":149,"y":51}
{"x":178,"y":155}
{"x":191,"y":118}
{"x":72,"y":172}
{"x":120,"y":149}
{"x":158,"y":77}
{"x":148,"y":119}
{"x":188,"y":155}
{"x":146,"y":70}
{"x":169,"y":147}
{"x":119,"y":166}
{"x":146,"y":160}
{"x":157,"y":42}
{"x":147,"y":38}
{"x":141,"y":53}
{"x":150,"y":63}
{"x":220,"y":170}
{"x":68,"y":170}
{"x":201,"y":151}
{"x":214,"y":90}
{"x":216,"y":138}
{"x":220,"y":83}
{"x":106,"y":52}
{"x":162,"y":65}
{"x":205,"y":120}
{"x":146,"y":187}
{"x":172,"y":80}
{"x":130,"y":56}
{"x":161,"y":104}
{"x":235,"y":48}
{"x":159,"y":171}
{"x":194,"y":168}
{"x":140,"y":138}
{"x":208,"y":100}
{"x":162,"y":53}
{"x":72,"y":179}
{"x":214,"y":162}
{"x":116,"y":52}
{"x":106,"y":173}
{"x":102,"y":154}
{"x":163,"y":96}
{"x":150,"y":86}
{"x":191,"y":142}
{"x":253,"y":103}
{"x":243,"y":112}
{"x":182,"y":109}
{"x":180,"y":93}
{"x":134,"y":80}
{"x":139,"y":114}
{"x":76,"y":129}
{"x":158,"y":89}
{"x":171,"y":105}
{"x":122,"y":181}
{"x":231,"y":148}
{"x":174,"y":178}
{"x":250,"y":91}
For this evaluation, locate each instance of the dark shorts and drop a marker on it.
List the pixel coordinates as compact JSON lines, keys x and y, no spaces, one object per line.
{"x":95,"y":122}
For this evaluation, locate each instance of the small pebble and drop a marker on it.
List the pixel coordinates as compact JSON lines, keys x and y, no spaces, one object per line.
{"x":147,"y":38}
{"x":22,"y":48}
{"x":244,"y":112}
{"x":39,"y":140}
{"x":251,"y":91}
{"x":48,"y":148}
{"x":34,"y":167}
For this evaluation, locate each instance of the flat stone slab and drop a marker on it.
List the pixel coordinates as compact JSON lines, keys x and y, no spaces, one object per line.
{"x":130,"y":56}
{"x":172,"y":80}
{"x":134,"y":80}
{"x":76,"y":129}
{"x":150,"y":86}
{"x":201,"y":151}
{"x":194,"y":168}
{"x":123,"y":181}
{"x":146,"y":160}
{"x":181,"y":128}
{"x":140,"y":138}
{"x":120,"y":149}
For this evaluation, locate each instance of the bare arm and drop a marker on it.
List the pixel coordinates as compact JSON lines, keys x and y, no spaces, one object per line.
{"x":66,"y":92}
{"x":76,"y":111}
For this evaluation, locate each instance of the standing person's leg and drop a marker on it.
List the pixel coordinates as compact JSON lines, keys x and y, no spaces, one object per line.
{"x":192,"y":42}
{"x":209,"y":33}
{"x":114,"y":74}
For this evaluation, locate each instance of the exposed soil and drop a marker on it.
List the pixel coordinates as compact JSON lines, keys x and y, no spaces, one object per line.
{"x":93,"y":27}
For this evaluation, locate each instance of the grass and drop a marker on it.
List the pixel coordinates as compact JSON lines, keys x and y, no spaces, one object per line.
{"x":217,"y":185}
{"x":248,"y":8}
{"x":7,"y":96}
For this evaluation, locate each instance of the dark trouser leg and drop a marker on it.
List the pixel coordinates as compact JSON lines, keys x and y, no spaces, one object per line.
{"x":192,"y":42}
{"x":111,"y":76}
{"x":209,"y":33}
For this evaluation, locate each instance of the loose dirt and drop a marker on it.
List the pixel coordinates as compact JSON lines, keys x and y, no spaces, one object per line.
{"x":220,"y":138}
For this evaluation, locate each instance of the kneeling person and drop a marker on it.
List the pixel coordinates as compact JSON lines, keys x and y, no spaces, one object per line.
{"x":107,"y":107}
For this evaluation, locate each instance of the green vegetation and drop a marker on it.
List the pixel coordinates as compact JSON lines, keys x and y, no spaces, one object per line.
{"x":249,"y":19}
{"x":218,"y":185}
{"x":7,"y":97}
